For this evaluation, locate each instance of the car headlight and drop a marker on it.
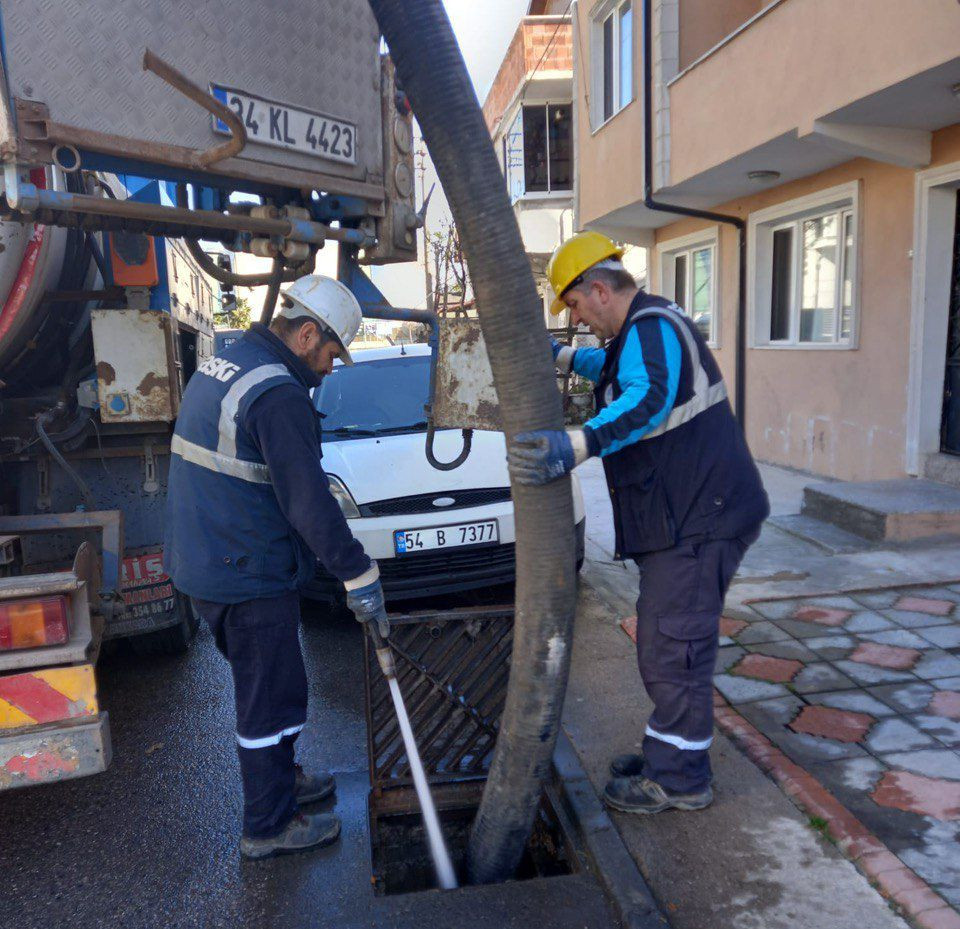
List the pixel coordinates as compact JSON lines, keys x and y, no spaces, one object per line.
{"x":342,"y":496}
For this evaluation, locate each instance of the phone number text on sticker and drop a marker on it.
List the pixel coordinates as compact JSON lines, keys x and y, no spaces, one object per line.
{"x":289,"y":127}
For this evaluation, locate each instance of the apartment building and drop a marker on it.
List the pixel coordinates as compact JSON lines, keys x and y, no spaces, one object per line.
{"x":529,"y":112}
{"x":830,"y":130}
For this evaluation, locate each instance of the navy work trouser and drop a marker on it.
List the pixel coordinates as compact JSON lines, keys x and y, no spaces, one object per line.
{"x":260,"y":639}
{"x":678,"y":622}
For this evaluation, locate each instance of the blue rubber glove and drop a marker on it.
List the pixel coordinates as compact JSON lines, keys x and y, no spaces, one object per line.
{"x":368,"y":605}
{"x":555,"y":346}
{"x":540,"y":457}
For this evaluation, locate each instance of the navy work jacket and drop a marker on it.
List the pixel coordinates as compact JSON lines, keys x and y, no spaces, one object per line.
{"x":227,"y":537}
{"x":692,"y":477}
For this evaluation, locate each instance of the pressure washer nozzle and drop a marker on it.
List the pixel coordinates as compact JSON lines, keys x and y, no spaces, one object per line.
{"x":385,"y":659}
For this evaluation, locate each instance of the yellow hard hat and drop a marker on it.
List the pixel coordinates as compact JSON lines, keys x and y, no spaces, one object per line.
{"x":577,"y":255}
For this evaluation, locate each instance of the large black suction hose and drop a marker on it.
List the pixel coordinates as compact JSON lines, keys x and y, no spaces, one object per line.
{"x":434,"y":77}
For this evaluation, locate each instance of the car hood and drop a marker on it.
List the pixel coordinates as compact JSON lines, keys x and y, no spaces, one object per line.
{"x":385,"y":467}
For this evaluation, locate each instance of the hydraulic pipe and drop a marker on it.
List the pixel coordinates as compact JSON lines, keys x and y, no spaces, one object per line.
{"x":435,"y":79}
{"x":33,"y":199}
{"x":179,"y":81}
{"x":210,"y":267}
{"x":273,"y":292}
{"x":740,"y":377}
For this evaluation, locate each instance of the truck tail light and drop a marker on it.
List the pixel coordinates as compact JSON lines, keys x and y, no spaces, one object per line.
{"x":32,"y":623}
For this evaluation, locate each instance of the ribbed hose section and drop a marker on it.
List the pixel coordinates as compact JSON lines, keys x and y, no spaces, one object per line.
{"x":434,"y":77}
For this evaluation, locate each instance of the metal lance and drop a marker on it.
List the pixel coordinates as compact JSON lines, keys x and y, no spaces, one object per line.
{"x":438,"y":849}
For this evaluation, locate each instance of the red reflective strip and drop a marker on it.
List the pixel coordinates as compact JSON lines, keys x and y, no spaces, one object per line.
{"x":28,"y":266}
{"x":55,"y":621}
{"x":39,"y":766}
{"x":6,"y":637}
{"x":35,"y":697}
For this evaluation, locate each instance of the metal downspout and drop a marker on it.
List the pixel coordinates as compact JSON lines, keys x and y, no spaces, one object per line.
{"x":435,"y":78}
{"x":740,"y":376}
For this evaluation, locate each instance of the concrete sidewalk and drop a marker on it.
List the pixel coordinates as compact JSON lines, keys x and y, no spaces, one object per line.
{"x":753,"y":859}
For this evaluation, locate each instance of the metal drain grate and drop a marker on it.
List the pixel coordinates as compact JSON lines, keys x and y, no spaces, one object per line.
{"x":453,"y":668}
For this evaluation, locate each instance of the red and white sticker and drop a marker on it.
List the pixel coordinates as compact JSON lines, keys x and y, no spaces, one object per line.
{"x":145,"y":585}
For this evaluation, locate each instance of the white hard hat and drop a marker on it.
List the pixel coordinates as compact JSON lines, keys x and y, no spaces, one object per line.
{"x":329,"y":302}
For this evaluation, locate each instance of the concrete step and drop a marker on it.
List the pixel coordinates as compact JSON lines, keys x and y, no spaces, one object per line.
{"x":943,"y":468}
{"x":826,"y":536}
{"x":886,"y":511}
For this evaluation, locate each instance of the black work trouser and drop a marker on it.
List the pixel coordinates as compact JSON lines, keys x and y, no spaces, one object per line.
{"x":260,"y":639}
{"x":678,"y":621}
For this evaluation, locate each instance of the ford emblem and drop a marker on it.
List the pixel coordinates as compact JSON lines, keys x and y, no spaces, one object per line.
{"x":444,"y":501}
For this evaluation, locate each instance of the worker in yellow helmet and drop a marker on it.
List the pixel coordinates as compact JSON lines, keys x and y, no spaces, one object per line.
{"x":687,"y":502}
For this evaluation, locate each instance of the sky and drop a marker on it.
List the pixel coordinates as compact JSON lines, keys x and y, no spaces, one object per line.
{"x":484,"y":29}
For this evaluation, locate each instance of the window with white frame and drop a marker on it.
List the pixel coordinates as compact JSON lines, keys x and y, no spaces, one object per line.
{"x":804,"y":280}
{"x":538,"y":150}
{"x":613,"y":58}
{"x":688,"y":274}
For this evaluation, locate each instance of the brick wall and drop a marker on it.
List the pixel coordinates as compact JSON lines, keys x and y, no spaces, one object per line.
{"x":547,"y":44}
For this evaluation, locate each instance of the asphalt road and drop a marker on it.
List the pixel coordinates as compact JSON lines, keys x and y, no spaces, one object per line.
{"x":153,"y":841}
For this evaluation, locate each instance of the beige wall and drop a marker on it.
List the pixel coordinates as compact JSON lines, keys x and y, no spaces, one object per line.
{"x":837,"y":413}
{"x":704,"y":23}
{"x":803,"y":60}
{"x":618,"y":143}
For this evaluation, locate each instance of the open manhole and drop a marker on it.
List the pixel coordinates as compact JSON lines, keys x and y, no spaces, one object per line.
{"x":452,"y":669}
{"x":401,"y":858}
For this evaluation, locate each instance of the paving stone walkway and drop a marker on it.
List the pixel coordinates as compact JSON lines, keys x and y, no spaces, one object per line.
{"x":863,"y":692}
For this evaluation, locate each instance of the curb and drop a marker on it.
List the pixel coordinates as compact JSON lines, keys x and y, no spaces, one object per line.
{"x":885,"y":870}
{"x":611,"y":862}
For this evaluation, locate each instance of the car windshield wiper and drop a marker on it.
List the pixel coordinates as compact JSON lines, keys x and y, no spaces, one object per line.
{"x":406,"y":427}
{"x":351,"y":430}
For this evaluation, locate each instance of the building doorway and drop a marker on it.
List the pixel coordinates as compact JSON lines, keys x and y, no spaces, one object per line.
{"x":950,"y":425}
{"x":933,"y":395}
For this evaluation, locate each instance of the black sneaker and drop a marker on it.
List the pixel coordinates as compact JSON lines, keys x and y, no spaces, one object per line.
{"x":302,"y":833}
{"x":311,"y":788}
{"x":641,"y":795}
{"x":629,"y":765}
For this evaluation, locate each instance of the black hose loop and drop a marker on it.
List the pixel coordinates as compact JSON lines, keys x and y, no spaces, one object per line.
{"x":459,"y":460}
{"x":435,"y":79}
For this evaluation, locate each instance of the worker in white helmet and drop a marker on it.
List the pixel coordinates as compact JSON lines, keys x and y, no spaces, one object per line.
{"x":249,"y":511}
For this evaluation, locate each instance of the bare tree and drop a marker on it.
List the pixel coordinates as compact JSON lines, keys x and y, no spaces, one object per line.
{"x":451,"y":278}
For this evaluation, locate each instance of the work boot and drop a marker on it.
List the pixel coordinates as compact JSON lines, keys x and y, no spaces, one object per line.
{"x":641,"y":795}
{"x":628,"y":765}
{"x":311,"y":788}
{"x":302,"y":833}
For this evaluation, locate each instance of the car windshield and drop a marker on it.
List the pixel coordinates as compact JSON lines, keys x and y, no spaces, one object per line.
{"x":375,"y":397}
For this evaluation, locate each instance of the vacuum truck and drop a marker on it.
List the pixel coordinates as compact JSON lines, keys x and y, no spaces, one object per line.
{"x":99,"y":334}
{"x":126,"y":184}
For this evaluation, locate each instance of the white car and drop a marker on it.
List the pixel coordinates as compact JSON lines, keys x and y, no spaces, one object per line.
{"x":432,"y":532}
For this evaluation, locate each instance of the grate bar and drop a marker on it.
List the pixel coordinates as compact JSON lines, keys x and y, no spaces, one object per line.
{"x":453,"y":668}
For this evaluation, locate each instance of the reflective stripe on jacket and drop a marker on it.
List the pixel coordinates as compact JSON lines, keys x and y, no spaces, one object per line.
{"x":685,"y":473}
{"x":226,"y":539}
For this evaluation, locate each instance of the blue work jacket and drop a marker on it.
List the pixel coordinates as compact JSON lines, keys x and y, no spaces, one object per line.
{"x":676,"y":460}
